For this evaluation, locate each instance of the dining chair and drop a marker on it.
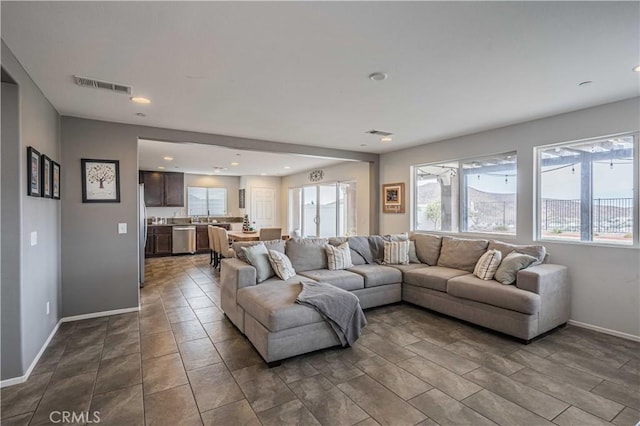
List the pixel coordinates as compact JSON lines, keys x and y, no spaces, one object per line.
{"x":224,"y":249}
{"x":268,"y":234}
{"x":213,"y":250}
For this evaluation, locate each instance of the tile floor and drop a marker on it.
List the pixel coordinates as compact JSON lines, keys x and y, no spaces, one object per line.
{"x":180,"y":362}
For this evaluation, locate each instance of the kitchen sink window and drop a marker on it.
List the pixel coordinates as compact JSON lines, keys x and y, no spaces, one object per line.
{"x":203,"y":201}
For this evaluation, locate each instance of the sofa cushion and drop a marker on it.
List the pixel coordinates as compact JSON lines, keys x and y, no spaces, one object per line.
{"x":281,"y":265}
{"x":356,"y":259}
{"x":307,"y":254}
{"x":432,"y":277}
{"x":461,"y":253}
{"x":427,"y":248}
{"x":258,"y":257}
{"x":277,"y":245}
{"x":493,"y":293}
{"x":508,"y":270}
{"x":396,"y":253}
{"x":537,"y":251}
{"x":377,"y":275}
{"x":338,"y":257}
{"x":273,"y":305}
{"x":342,"y":279}
{"x":293,"y":280}
{"x":487,"y":265}
{"x":409,"y":267}
{"x":413,"y":255}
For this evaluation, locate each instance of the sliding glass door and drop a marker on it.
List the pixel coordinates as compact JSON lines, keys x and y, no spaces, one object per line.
{"x":324,"y":210}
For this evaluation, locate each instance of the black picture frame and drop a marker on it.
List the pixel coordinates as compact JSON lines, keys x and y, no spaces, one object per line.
{"x":46,"y":177}
{"x":34,"y":184}
{"x":55,"y":180}
{"x":100,"y":181}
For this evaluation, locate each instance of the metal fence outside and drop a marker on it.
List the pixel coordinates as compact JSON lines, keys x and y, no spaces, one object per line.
{"x":609,"y":215}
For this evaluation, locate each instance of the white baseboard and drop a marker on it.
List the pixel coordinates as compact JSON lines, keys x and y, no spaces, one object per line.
{"x":21,"y":379}
{"x":605,"y":330}
{"x":99,"y":314}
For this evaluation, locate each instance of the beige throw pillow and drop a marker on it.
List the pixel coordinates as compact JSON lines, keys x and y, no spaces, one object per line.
{"x":508,"y":270}
{"x":281,"y":265}
{"x":488,"y":265}
{"x":396,"y":253}
{"x":338,"y":257}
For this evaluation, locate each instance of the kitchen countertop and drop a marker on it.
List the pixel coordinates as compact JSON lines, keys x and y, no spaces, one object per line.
{"x":189,"y":224}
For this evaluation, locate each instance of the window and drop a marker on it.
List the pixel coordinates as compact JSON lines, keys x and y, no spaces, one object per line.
{"x":323,"y":210}
{"x":586,"y":191}
{"x":474,"y":195}
{"x":206,"y":201}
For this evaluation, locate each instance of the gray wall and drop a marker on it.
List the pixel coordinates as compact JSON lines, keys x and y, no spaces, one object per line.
{"x":605,"y":280}
{"x":100,"y":267}
{"x":40,"y":271}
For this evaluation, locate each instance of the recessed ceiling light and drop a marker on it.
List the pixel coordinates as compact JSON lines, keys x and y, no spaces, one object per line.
{"x":160,"y":167}
{"x":140,"y":100}
{"x":168,"y":158}
{"x":585,"y":83}
{"x":636,"y":68}
{"x":263,"y":174}
{"x":287,"y":167}
{"x":386,"y":139}
{"x":235,"y":163}
{"x":378,"y":76}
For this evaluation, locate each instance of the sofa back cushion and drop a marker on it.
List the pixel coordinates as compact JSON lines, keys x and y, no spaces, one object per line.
{"x":277,"y":245}
{"x":461,"y":253}
{"x":307,"y":254}
{"x":427,"y":248}
{"x":537,"y":251}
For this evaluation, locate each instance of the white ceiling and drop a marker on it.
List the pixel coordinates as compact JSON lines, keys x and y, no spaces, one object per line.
{"x":201,"y":159}
{"x":296,"y":72}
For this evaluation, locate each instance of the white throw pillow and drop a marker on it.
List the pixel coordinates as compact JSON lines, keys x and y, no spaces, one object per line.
{"x":396,"y":253}
{"x":488,"y":265}
{"x":338,"y":257}
{"x":281,"y":265}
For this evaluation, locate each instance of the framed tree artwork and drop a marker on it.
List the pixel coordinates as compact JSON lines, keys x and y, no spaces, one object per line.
{"x":393,"y":198}
{"x":34,"y":183}
{"x":100,"y":181}
{"x":46,"y":177}
{"x":55,"y":180}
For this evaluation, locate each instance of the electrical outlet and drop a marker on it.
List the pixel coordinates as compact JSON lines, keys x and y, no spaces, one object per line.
{"x":122,"y":228}
{"x":34,"y":238}
{"x":48,"y":309}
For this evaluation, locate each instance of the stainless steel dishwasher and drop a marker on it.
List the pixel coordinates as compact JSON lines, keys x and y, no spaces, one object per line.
{"x":184,"y":239}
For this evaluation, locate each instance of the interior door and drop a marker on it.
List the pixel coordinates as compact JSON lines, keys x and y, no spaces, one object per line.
{"x":263,"y":207}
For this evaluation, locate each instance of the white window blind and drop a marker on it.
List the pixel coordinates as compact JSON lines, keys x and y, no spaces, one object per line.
{"x":206,"y":201}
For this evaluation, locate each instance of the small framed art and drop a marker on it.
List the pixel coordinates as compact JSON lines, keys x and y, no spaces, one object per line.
{"x":55,"y":180}
{"x":34,"y":184}
{"x":45,"y":176}
{"x":100,"y":181}
{"x":393,"y":198}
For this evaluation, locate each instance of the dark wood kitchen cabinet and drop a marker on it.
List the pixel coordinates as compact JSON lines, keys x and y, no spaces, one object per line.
{"x":162,"y":189}
{"x":202,"y":239}
{"x":159,"y":241}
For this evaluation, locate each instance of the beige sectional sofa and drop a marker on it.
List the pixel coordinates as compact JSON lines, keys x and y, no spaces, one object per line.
{"x":443,"y":281}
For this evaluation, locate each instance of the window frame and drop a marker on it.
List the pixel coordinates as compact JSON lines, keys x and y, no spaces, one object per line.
{"x":226,"y":199}
{"x":462,"y":195}
{"x":537,"y":226}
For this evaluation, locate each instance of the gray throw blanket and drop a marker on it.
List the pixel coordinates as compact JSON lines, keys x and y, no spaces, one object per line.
{"x":340,"y":308}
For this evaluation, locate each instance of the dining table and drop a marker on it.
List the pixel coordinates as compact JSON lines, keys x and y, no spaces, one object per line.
{"x":243,"y":236}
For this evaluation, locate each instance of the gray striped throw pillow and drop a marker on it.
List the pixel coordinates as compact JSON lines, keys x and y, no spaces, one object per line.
{"x":338,"y":257}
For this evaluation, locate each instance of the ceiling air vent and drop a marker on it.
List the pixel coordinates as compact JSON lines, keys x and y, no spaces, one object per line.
{"x":99,"y":84}
{"x":378,"y":132}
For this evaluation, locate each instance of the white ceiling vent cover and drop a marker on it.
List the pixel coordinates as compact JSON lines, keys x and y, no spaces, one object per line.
{"x":99,"y":84}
